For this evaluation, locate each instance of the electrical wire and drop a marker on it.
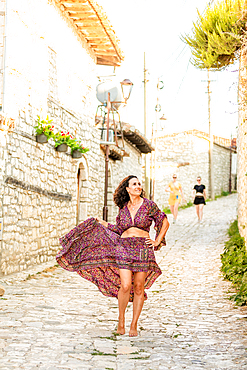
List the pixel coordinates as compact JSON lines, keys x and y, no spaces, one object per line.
{"x":183,"y":78}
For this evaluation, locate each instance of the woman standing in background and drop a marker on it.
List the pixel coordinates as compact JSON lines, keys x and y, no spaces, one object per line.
{"x":176,"y":191}
{"x":199,"y":196}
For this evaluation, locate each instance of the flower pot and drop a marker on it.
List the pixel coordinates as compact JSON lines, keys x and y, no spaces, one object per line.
{"x":76,"y":154}
{"x":41,"y":138}
{"x":62,"y":148}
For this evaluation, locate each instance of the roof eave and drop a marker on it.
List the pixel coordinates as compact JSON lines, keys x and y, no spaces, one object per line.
{"x":93,"y":29}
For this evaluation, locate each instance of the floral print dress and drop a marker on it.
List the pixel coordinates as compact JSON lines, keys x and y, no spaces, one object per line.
{"x":97,"y":252}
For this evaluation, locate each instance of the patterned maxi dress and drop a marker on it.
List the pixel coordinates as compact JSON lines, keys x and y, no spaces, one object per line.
{"x":97,"y":252}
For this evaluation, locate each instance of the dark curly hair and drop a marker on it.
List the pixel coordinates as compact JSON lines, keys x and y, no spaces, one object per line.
{"x":121,"y":195}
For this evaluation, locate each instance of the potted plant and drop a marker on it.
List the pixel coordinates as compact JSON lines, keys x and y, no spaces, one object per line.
{"x":77,"y":149}
{"x":62,"y":141}
{"x":44,"y":130}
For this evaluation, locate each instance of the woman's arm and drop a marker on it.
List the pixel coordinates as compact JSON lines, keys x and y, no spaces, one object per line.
{"x":167,"y":188}
{"x":193,"y":194}
{"x":204,"y":193}
{"x":160,"y":236}
{"x":162,"y":233}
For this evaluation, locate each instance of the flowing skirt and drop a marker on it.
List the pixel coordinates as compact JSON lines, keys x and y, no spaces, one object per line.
{"x":97,"y":253}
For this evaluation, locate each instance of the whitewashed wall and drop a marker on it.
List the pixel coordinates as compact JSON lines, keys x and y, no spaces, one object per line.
{"x":49,"y":72}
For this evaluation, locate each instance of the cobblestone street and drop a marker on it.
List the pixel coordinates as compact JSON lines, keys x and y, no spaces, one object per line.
{"x":52,"y":319}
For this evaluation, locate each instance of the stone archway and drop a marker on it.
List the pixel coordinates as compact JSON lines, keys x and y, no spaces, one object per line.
{"x":82,"y":191}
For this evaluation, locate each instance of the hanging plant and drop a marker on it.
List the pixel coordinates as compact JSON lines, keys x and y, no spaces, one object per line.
{"x":218,"y":34}
{"x":62,"y":141}
{"x":44,"y":129}
{"x":77,"y":149}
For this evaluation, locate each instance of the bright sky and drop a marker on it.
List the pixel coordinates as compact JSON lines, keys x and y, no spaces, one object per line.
{"x":155,"y":27}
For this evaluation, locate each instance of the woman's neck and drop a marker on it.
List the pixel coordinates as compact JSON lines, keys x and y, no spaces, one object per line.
{"x":135,"y":199}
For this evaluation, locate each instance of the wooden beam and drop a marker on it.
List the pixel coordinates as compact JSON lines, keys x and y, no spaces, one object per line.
{"x":76,"y":9}
{"x":102,"y":47}
{"x":85,"y":20}
{"x":90,"y":23}
{"x":80,"y":14}
{"x":98,"y":34}
{"x":107,"y":62}
{"x":95,"y":38}
{"x":75,"y":3}
{"x":104,"y":53}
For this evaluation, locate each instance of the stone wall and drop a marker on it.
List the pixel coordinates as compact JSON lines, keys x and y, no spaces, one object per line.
{"x":221,"y":168}
{"x":45,"y":193}
{"x":187,"y":156}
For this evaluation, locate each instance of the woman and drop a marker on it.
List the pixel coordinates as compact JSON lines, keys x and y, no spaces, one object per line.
{"x":175,"y":189}
{"x":199,"y":196}
{"x":119,"y":258}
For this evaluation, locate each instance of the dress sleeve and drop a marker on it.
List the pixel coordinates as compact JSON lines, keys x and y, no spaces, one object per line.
{"x":195,"y":187}
{"x":158,"y":217}
{"x":116,"y":228}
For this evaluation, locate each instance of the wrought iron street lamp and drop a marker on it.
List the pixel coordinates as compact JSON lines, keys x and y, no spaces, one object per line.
{"x":126,"y":87}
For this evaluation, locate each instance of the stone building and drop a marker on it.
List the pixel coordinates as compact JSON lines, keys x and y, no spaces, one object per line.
{"x":49,"y":61}
{"x":186,"y":154}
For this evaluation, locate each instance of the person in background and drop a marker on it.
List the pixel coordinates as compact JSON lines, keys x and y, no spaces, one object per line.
{"x":199,"y":196}
{"x":176,"y":193}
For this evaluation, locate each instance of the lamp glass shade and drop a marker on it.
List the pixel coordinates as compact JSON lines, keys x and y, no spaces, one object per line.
{"x":126,"y":86}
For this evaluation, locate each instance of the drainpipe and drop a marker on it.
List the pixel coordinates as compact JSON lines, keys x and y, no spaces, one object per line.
{"x":4,"y":58}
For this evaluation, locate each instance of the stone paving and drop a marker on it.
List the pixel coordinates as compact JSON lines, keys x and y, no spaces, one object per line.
{"x":52,"y":319}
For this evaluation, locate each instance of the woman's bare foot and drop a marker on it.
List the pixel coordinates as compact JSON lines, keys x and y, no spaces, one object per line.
{"x":121,"y":328}
{"x":133,"y":331}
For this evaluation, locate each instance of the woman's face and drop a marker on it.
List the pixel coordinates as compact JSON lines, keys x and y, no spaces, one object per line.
{"x":198,"y":180}
{"x":135,"y":187}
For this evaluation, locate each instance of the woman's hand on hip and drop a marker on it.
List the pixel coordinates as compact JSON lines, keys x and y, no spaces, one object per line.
{"x":151,"y":243}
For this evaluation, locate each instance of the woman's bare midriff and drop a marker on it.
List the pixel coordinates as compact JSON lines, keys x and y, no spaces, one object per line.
{"x":135,"y":232}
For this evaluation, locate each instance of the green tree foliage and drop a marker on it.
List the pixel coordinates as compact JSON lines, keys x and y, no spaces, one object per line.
{"x":218,"y":34}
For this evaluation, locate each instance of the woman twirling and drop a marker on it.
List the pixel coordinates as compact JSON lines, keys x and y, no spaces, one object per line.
{"x":119,"y":258}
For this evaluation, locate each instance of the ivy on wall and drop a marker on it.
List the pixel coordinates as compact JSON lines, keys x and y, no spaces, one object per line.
{"x":218,"y":34}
